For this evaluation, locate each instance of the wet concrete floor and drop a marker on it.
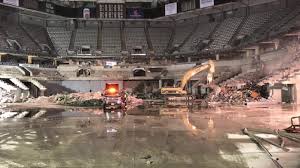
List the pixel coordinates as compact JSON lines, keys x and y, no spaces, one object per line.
{"x":148,"y":136}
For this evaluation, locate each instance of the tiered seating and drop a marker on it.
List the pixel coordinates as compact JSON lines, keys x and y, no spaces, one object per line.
{"x":292,"y":19}
{"x":225,"y":32}
{"x":60,"y":38}
{"x":286,"y":71}
{"x":182,"y":31}
{"x":276,"y":16}
{"x":160,"y":37}
{"x":292,"y":23}
{"x":86,"y":36}
{"x":253,"y":22}
{"x":135,"y":38}
{"x":37,"y":32}
{"x":201,"y":33}
{"x":16,"y":33}
{"x":111,"y":40}
{"x":3,"y":43}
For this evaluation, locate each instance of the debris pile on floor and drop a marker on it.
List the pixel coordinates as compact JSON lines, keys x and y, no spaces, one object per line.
{"x":6,"y":97}
{"x":241,"y":92}
{"x":80,"y":99}
{"x":232,"y":96}
{"x":74,"y":99}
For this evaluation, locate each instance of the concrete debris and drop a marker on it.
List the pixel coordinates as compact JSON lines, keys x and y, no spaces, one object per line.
{"x":7,"y":115}
{"x":42,"y":100}
{"x":77,"y":100}
{"x":5,"y":96}
{"x":91,"y":99}
{"x":239,"y":94}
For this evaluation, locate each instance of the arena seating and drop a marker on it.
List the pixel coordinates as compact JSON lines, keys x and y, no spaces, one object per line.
{"x":37,"y":32}
{"x":291,"y":20}
{"x":160,"y":36}
{"x":60,"y":38}
{"x":277,"y":15}
{"x":111,"y":40}
{"x":135,"y":39}
{"x":86,"y":36}
{"x":253,"y":22}
{"x":185,"y":36}
{"x":14,"y":32}
{"x":182,"y":30}
{"x":3,"y":43}
{"x":202,"y":32}
{"x":225,"y":32}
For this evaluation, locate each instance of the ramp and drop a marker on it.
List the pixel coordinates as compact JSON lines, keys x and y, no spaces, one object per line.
{"x":16,"y":92}
{"x":41,"y":87}
{"x":25,"y":90}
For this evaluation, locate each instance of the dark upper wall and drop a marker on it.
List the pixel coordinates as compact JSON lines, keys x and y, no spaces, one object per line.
{"x":75,"y":9}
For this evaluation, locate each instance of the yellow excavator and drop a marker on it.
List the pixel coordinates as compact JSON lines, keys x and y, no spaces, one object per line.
{"x":209,"y":65}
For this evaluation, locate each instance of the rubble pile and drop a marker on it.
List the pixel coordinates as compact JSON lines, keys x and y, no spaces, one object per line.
{"x":72,"y":99}
{"x":6,"y":97}
{"x":77,"y":100}
{"x":92,"y":99}
{"x":240,"y":90}
{"x":232,"y":95}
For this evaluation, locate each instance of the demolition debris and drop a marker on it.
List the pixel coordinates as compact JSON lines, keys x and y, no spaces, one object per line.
{"x":93,"y":99}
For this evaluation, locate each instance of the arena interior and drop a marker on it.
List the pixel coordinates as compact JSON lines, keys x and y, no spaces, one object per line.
{"x":150,"y":83}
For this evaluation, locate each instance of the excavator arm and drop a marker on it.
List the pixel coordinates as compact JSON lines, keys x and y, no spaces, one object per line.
{"x":190,"y":73}
{"x":209,"y":65}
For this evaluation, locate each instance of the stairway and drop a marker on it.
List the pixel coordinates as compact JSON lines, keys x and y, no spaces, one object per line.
{"x":149,"y":42}
{"x":99,"y":38}
{"x":30,"y":37}
{"x":9,"y":93}
{"x":72,"y":40}
{"x":122,"y":36}
{"x":25,"y":90}
{"x":189,"y":35}
{"x":169,"y":46}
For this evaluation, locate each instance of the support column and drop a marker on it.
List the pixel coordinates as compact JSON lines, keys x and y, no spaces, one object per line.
{"x":248,"y":54}
{"x":55,"y":62}
{"x":160,"y":84}
{"x":276,"y":44}
{"x":29,"y":59}
{"x":42,"y":93}
{"x":217,"y":57}
{"x":189,"y":59}
{"x":257,"y":50}
{"x":2,"y":55}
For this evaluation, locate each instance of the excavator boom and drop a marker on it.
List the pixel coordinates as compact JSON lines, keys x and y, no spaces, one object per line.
{"x":188,"y":75}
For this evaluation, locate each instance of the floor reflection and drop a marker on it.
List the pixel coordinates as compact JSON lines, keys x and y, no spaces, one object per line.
{"x":150,"y":135}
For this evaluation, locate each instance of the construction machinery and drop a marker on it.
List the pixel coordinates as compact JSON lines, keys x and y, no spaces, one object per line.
{"x":114,"y":99}
{"x":209,"y":66}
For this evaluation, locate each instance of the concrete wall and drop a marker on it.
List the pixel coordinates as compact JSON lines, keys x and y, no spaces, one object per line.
{"x":86,"y":85}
